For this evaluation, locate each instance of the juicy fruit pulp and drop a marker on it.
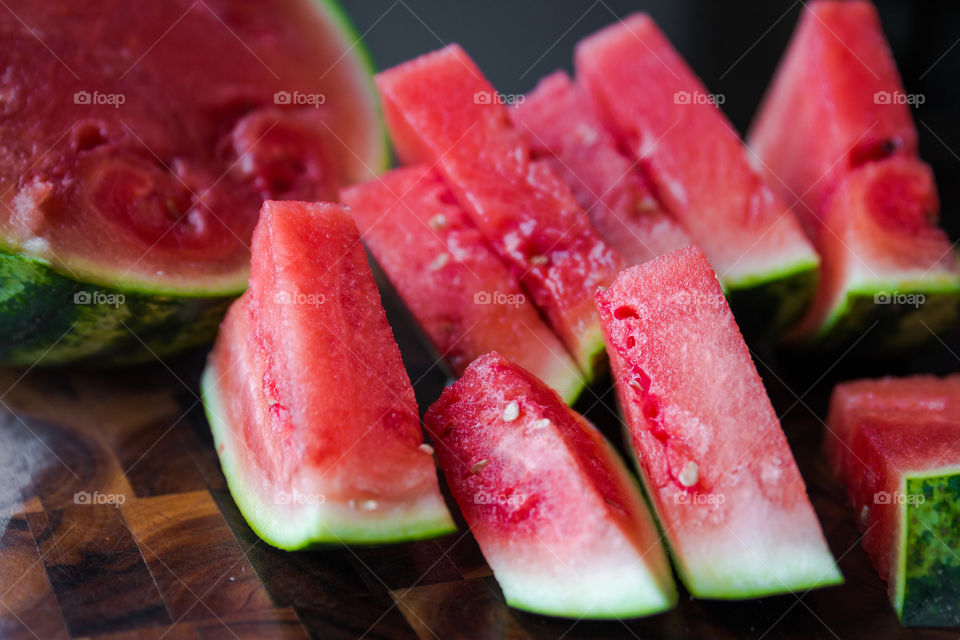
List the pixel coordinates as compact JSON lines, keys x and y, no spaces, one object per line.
{"x":561,"y":126}
{"x":556,"y":513}
{"x":463,"y":297}
{"x":312,"y":413}
{"x":137,"y":157}
{"x":835,"y":127}
{"x":715,"y":462}
{"x":894,"y":443}
{"x":440,"y":110}
{"x":697,"y":166}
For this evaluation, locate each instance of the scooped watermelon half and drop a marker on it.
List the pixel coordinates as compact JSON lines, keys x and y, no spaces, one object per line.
{"x":555,"y":511}
{"x":562,"y":127}
{"x":139,"y":140}
{"x":313,"y":415}
{"x":835,"y":134}
{"x":896,"y":445}
{"x":714,"y":460}
{"x":441,"y":111}
{"x":699,"y":170}
{"x":462,"y":295}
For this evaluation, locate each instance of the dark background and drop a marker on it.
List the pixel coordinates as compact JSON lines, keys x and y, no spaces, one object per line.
{"x":734,"y":47}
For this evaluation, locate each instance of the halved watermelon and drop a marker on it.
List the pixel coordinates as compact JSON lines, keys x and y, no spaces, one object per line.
{"x":561,"y":126}
{"x":464,"y":298}
{"x":699,"y":169}
{"x":441,"y":111}
{"x":139,"y":140}
{"x":714,"y":460}
{"x":312,"y":413}
{"x":835,"y":133}
{"x":555,"y":511}
{"x":900,"y":460}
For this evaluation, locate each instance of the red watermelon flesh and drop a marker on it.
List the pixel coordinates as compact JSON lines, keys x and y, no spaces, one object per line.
{"x":561,"y":126}
{"x":554,"y":509}
{"x":311,"y":409}
{"x":902,"y":471}
{"x":441,"y":110}
{"x":462,"y":295}
{"x":698,"y":167}
{"x":832,"y":106}
{"x":714,"y":459}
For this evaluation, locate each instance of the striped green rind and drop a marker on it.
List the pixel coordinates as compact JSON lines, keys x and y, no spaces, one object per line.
{"x":52,"y":319}
{"x":768,"y":305}
{"x":928,"y":588}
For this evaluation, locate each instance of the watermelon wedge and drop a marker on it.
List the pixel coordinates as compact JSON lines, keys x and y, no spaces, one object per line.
{"x":440,"y":110}
{"x":900,"y":460}
{"x":137,"y":156}
{"x":835,"y":133}
{"x":305,"y":389}
{"x":698,"y":168}
{"x":713,"y":458}
{"x":562,"y":127}
{"x":555,"y":511}
{"x":463,"y":297}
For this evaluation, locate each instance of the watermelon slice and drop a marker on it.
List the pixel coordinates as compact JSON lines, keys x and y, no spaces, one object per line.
{"x":555,"y":511}
{"x":561,"y":126}
{"x":714,"y":460}
{"x":900,"y":459}
{"x":463,"y":297}
{"x":698,"y":167}
{"x":440,"y":110}
{"x":305,"y":388}
{"x":137,"y":156}
{"x":835,"y":128}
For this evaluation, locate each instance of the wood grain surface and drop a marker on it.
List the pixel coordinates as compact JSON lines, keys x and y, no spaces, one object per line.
{"x":157,"y":548}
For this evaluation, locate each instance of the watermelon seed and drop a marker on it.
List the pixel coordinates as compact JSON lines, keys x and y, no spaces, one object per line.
{"x":689,"y":474}
{"x":542,"y":423}
{"x":368,"y":505}
{"x":438,"y":221}
{"x":439,"y":262}
{"x":648,"y":203}
{"x":427,"y":449}
{"x":479,"y":466}
{"x":512,"y":412}
{"x":538,"y":260}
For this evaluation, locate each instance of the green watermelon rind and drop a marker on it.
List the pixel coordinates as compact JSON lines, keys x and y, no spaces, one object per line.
{"x":898,"y":327}
{"x":42,"y":325}
{"x":770,"y":303}
{"x":281,"y":530}
{"x":927,"y":589}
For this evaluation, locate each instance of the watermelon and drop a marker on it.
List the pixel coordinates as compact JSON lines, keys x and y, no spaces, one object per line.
{"x":561,"y":126}
{"x":835,"y":127}
{"x":312,"y":412}
{"x":135,"y":160}
{"x":463,"y":297}
{"x":899,"y":456}
{"x":714,"y":460}
{"x":440,"y":110}
{"x":556,"y":513}
{"x":698,"y":168}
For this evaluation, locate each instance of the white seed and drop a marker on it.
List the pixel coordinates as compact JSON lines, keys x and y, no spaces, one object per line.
{"x":438,"y":221}
{"x":539,"y":260}
{"x":427,"y":449}
{"x":512,"y":412}
{"x":367,"y":505}
{"x":647,"y":204}
{"x":479,"y":466}
{"x":542,"y":423}
{"x":689,"y":474}
{"x":439,"y":262}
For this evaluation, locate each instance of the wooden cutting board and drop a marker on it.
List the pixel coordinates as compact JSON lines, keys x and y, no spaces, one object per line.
{"x":115,"y":522}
